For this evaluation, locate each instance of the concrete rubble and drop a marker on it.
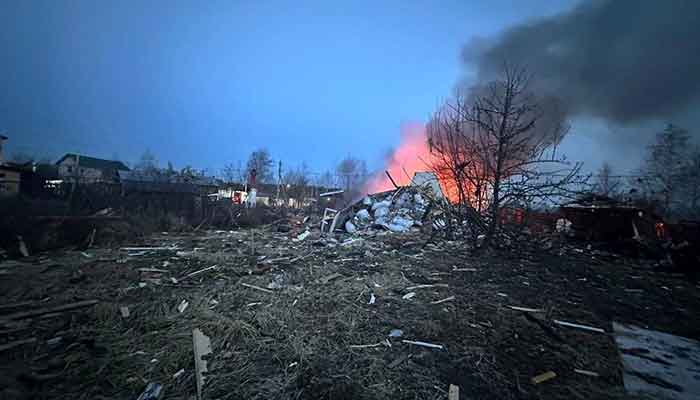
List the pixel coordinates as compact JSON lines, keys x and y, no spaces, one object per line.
{"x":395,"y":211}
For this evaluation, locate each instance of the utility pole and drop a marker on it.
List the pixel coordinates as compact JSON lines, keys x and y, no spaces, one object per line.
{"x":279,"y":179}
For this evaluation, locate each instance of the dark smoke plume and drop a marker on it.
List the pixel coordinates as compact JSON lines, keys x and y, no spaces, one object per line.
{"x":623,"y":60}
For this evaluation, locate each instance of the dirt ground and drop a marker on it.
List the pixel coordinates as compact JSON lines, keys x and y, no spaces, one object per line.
{"x":313,"y":331}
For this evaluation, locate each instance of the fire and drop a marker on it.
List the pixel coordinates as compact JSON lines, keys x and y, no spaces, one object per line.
{"x":411,"y":156}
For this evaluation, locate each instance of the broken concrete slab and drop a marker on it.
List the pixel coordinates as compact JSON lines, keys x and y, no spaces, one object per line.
{"x":657,"y":364}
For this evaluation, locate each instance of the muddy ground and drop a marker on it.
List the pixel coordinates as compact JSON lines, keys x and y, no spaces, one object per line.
{"x":311,"y":332}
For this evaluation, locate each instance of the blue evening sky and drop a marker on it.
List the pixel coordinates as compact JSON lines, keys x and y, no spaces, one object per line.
{"x":206,"y":82}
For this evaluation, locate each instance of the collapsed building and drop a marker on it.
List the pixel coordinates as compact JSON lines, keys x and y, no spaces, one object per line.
{"x":395,"y":210}
{"x":603,"y":219}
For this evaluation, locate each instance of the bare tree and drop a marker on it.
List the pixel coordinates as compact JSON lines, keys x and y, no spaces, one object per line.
{"x":327,"y":180}
{"x":147,"y":164}
{"x":454,"y":156}
{"x":664,"y":168}
{"x":691,"y":188}
{"x":296,"y":184}
{"x":498,"y":137}
{"x":352,"y":173}
{"x":262,"y":163}
{"x":606,"y":184}
{"x":233,"y":173}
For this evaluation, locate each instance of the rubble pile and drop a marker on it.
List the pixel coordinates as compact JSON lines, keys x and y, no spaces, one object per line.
{"x":396,"y":211}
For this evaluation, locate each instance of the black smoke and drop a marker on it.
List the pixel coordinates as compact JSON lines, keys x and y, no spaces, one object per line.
{"x":626,"y":61}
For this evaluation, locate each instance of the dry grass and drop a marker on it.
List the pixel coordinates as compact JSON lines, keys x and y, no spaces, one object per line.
{"x":296,"y":342}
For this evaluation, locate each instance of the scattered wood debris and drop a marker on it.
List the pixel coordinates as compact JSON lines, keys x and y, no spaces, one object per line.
{"x":587,"y":373}
{"x":202,"y":347}
{"x":22,"y":247}
{"x":154,"y":270}
{"x":256,"y":288}
{"x":385,"y":342}
{"x":455,"y":269}
{"x":543,"y":377}
{"x":427,"y":286}
{"x":526,"y":309}
{"x":195,"y":273}
{"x":443,"y":300}
{"x":48,"y":310}
{"x":424,"y":344}
{"x":453,"y":392}
{"x":577,"y":326}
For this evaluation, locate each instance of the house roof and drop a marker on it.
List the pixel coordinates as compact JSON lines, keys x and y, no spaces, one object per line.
{"x":96,"y":163}
{"x":11,"y":167}
{"x":47,"y":171}
{"x":139,"y":176}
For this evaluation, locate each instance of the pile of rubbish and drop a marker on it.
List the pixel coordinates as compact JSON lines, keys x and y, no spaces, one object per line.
{"x":396,"y":211}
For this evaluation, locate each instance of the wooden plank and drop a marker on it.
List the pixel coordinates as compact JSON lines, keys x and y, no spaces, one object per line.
{"x":257,"y":288}
{"x":443,"y":300}
{"x":577,"y":326}
{"x":585,"y":372}
{"x":49,"y":310}
{"x":195,"y":273}
{"x":202,"y":346}
{"x":423,"y":344}
{"x":525,"y":309}
{"x":453,"y":393}
{"x":427,"y":286}
{"x":543,"y":377}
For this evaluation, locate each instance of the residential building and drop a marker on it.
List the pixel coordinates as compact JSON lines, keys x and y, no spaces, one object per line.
{"x":89,"y":169}
{"x":10,"y":178}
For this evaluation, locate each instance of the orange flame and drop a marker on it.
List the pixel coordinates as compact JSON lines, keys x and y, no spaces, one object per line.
{"x":413,"y":155}
{"x":410,"y":157}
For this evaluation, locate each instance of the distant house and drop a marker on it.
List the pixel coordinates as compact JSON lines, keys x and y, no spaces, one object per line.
{"x":138,"y":181}
{"x":10,"y":178}
{"x":10,"y":174}
{"x":89,"y":169}
{"x":601,"y":218}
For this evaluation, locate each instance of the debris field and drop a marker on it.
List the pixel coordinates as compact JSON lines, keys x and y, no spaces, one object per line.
{"x":294,"y":314}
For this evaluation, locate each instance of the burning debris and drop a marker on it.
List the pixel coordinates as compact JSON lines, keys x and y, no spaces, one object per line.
{"x":396,"y":210}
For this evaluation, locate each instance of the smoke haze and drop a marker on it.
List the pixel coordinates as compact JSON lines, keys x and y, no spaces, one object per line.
{"x":625,"y":61}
